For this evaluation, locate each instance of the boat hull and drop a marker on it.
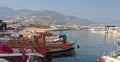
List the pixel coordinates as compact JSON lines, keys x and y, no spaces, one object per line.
{"x":69,"y":52}
{"x":110,"y":59}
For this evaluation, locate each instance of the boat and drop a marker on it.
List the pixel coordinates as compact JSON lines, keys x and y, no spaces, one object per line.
{"x":113,"y":56}
{"x":31,"y":48}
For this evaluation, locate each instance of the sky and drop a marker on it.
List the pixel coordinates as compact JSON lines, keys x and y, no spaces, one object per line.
{"x":101,"y":11}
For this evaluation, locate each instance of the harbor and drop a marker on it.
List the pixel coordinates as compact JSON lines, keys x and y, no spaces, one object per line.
{"x":88,"y":43}
{"x":60,"y":31}
{"x":58,"y":43}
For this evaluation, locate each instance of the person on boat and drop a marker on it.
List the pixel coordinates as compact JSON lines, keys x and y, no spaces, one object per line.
{"x":64,"y":40}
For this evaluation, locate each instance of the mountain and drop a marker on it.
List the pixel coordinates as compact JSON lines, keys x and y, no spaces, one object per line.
{"x":43,"y":16}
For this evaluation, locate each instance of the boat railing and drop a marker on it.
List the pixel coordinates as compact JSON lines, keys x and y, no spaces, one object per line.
{"x":20,"y":54}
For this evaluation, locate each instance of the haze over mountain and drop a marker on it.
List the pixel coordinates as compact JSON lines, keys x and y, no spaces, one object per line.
{"x":46,"y":16}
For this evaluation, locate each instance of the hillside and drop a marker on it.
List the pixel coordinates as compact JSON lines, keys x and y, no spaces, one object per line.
{"x":42,"y":16}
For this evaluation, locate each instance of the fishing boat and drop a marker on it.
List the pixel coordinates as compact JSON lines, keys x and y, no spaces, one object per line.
{"x":113,"y":56}
{"x":32,"y":48}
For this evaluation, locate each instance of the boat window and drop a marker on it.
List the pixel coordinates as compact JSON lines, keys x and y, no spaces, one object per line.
{"x":18,"y":42}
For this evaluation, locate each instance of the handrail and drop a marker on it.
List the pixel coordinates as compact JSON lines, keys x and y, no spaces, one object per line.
{"x":20,"y":54}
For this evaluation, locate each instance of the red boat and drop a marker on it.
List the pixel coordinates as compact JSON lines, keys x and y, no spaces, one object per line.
{"x":21,"y":49}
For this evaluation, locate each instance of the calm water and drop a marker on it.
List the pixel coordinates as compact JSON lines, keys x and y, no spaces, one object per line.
{"x":92,"y":45}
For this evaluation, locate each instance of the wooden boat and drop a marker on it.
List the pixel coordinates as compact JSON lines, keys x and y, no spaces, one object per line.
{"x":29,"y":49}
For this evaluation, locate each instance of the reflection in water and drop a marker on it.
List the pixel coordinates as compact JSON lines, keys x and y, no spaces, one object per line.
{"x":111,"y":36}
{"x":61,"y":54}
{"x":107,"y":35}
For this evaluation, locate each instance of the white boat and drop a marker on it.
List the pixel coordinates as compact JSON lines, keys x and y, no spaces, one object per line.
{"x":114,"y":56}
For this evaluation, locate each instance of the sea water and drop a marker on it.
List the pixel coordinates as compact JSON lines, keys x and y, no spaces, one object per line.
{"x":92,"y":45}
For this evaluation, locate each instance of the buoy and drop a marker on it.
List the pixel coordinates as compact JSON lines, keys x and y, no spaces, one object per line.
{"x":78,"y":46}
{"x":97,"y":60}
